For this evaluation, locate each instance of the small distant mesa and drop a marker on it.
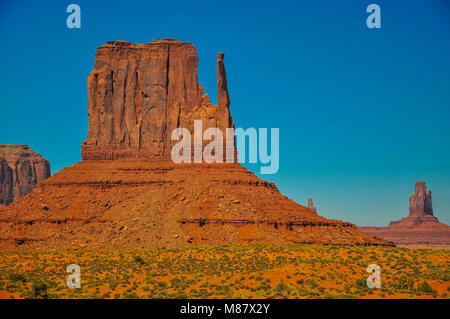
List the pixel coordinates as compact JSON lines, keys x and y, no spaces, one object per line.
{"x":420,"y":229}
{"x":21,"y":170}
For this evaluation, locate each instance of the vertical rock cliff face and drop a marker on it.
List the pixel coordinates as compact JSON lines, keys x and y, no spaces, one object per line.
{"x":223,"y":98}
{"x":420,"y":201}
{"x":138,"y":94}
{"x":420,"y":208}
{"x":21,"y":170}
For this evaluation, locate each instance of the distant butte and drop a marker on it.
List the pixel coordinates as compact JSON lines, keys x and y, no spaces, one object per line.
{"x":420,"y":229}
{"x":128,"y":193}
{"x":21,"y":170}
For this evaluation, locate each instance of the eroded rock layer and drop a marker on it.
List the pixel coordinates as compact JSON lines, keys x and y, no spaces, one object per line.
{"x":21,"y":170}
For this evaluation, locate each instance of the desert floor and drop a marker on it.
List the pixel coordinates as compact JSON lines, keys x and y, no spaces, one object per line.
{"x":253,"y":271}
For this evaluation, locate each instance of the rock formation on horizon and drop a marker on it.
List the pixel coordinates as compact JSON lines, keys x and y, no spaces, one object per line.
{"x":420,"y":201}
{"x":420,"y":229}
{"x":128,"y":193}
{"x":311,"y":206}
{"x":21,"y":170}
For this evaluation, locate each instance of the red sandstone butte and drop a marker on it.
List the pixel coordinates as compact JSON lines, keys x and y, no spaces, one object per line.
{"x":128,"y":193}
{"x":21,"y":170}
{"x":420,"y":229}
{"x":139,"y":93}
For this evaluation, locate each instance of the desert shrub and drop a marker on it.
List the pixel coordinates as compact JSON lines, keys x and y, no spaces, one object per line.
{"x":361,"y":284}
{"x":347,"y":288}
{"x":39,"y":289}
{"x":162,"y":284}
{"x":225,"y":290}
{"x":312,"y":283}
{"x":404,"y":283}
{"x":282,"y":290}
{"x":301,"y":281}
{"x":139,"y":260}
{"x":106,"y":295}
{"x":263,"y":286}
{"x":179,"y":295}
{"x":17,"y":277}
{"x":424,"y":287}
{"x":132,"y":295}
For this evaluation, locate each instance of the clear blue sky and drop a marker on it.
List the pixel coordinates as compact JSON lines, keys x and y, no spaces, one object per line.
{"x":362,"y":113}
